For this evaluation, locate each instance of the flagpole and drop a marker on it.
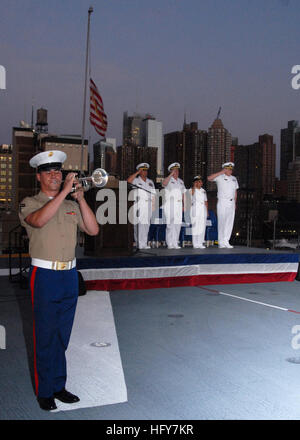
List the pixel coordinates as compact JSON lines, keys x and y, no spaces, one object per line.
{"x":90,"y":11}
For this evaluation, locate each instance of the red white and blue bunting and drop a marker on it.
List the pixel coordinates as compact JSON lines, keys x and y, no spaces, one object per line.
{"x":126,"y":273}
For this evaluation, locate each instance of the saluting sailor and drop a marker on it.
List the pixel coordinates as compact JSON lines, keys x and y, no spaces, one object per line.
{"x":51,"y":222}
{"x":227,"y":194}
{"x":198,"y":212}
{"x":173,"y":205}
{"x":144,"y":200}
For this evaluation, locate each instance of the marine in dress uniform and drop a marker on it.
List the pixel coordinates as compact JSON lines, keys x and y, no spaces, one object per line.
{"x":198,"y":212}
{"x":227,"y":193}
{"x":173,"y":205}
{"x":51,"y":222}
{"x":144,"y":202}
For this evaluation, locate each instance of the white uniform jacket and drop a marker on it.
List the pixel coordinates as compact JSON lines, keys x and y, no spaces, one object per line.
{"x":227,"y":185}
{"x":173,"y":200}
{"x":143,"y":199}
{"x":198,"y":211}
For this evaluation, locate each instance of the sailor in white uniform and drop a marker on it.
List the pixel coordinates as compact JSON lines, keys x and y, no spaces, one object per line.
{"x":198,"y":212}
{"x":173,"y":205}
{"x":144,"y":203}
{"x":227,"y":193}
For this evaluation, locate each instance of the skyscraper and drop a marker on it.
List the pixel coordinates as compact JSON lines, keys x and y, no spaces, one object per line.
{"x":105,"y":155}
{"x":287,"y":147}
{"x":174,"y":150}
{"x":143,"y":130}
{"x":6,"y":173}
{"x":132,"y":129}
{"x":195,"y":160}
{"x":297,"y":144}
{"x":218,"y":148}
{"x":25,"y":145}
{"x":126,"y":161}
{"x":153,"y":137}
{"x":293,"y":181}
{"x":255,"y":171}
{"x":267,"y":153}
{"x":129,"y":156}
{"x":189,"y":148}
{"x":255,"y":165}
{"x":8,"y":218}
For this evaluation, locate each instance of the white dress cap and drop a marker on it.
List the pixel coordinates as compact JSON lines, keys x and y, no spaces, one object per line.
{"x":197,"y":178}
{"x":228,"y":165}
{"x":173,"y":165}
{"x":143,"y":166}
{"x":47,"y":157}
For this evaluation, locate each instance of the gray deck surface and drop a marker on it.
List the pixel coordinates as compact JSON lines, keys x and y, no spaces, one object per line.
{"x":188,"y":353}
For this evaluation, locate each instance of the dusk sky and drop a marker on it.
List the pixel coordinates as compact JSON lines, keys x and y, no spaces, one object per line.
{"x":163,"y":57}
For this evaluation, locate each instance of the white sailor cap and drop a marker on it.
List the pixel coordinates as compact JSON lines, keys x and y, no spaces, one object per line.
{"x":47,"y":160}
{"x":197,"y":178}
{"x":173,"y":165}
{"x":143,"y":166}
{"x":229,"y":165}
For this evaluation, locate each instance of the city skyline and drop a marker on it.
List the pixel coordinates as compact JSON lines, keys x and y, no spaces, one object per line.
{"x":169,"y":59}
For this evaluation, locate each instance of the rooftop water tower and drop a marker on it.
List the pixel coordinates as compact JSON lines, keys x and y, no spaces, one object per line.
{"x":42,"y":120}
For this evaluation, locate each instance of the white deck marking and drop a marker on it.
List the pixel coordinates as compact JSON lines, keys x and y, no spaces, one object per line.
{"x":284,"y":309}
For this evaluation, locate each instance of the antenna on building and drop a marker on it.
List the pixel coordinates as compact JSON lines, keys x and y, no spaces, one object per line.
{"x":32,"y":116}
{"x":219,"y":112}
{"x":184,"y":119}
{"x":137,"y":98}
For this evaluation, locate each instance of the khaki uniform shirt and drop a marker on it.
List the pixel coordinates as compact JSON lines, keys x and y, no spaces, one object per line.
{"x":57,"y":239}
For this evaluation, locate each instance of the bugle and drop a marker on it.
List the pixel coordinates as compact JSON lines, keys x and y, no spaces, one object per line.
{"x":98,"y":179}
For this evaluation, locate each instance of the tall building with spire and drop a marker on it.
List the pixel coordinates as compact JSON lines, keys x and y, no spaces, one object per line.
{"x":218,"y":148}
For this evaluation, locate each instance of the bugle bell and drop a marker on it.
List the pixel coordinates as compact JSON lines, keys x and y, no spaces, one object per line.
{"x":98,"y":179}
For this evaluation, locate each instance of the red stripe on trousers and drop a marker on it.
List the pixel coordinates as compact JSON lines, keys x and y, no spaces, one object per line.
{"x":36,"y":379}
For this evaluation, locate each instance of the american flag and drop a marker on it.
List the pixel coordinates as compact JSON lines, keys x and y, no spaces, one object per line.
{"x":97,"y":116}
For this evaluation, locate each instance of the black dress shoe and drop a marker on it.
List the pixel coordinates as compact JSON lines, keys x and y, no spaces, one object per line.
{"x":66,"y":397}
{"x":46,"y":403}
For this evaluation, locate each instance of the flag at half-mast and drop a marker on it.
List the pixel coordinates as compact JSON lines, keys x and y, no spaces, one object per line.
{"x":97,"y":116}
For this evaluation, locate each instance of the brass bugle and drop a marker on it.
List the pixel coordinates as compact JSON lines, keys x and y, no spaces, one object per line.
{"x":98,"y":179}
